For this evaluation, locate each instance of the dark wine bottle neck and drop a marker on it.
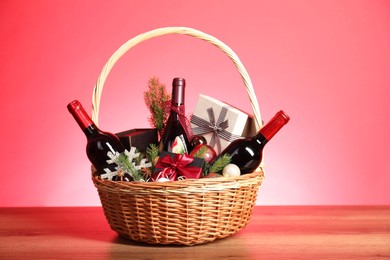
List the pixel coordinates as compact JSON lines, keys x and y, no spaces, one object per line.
{"x":91,"y":130}
{"x":260,"y":139}
{"x":177,"y":110}
{"x":178,"y":87}
{"x":81,"y":116}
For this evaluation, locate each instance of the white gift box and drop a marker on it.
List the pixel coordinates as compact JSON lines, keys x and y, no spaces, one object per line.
{"x":220,"y":123}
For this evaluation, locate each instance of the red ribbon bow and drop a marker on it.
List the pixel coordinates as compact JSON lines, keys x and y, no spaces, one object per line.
{"x":173,"y":167}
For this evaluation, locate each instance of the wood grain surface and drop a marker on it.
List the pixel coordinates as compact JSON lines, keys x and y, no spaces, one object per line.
{"x":274,"y":232}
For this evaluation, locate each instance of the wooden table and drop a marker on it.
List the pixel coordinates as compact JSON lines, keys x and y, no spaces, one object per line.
{"x":300,"y":232}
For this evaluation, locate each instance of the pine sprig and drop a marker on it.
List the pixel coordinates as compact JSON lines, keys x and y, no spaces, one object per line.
{"x":152,"y":153}
{"x":139,"y":158}
{"x":206,"y":169}
{"x":201,"y":152}
{"x":220,"y":163}
{"x":156,"y":98}
{"x":123,"y":161}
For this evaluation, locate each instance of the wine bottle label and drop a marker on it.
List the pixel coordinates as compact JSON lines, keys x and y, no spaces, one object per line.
{"x":179,"y":145}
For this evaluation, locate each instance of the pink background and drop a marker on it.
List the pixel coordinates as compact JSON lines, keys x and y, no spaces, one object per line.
{"x":326,"y":63}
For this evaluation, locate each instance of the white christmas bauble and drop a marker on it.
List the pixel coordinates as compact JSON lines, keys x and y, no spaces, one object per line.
{"x":162,"y":180}
{"x":231,"y":170}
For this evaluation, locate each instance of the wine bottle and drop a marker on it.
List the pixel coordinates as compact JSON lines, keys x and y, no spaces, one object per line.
{"x":99,"y":143}
{"x":175,"y":137}
{"x":247,"y":153}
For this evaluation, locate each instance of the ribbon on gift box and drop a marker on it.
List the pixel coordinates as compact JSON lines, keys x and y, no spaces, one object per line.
{"x":217,"y":128}
{"x":175,"y":166}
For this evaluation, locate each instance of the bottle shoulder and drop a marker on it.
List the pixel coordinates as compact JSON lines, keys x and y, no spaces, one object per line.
{"x":101,"y":135}
{"x":244,"y":143}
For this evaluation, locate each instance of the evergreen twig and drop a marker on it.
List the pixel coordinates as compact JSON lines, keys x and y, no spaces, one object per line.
{"x":152,"y":153}
{"x":123,"y":161}
{"x":200,"y":153}
{"x":220,"y":163}
{"x":156,"y":98}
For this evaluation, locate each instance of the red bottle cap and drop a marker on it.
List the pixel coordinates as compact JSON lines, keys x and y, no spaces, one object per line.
{"x":79,"y":114}
{"x":275,"y":124}
{"x":178,"y":86}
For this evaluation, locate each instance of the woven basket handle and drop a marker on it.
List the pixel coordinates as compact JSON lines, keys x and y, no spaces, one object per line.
{"x":97,"y":92}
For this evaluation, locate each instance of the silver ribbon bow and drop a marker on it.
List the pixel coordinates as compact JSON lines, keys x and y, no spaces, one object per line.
{"x":218,"y":128}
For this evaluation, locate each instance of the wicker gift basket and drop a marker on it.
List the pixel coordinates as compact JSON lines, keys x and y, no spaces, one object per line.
{"x":185,"y":212}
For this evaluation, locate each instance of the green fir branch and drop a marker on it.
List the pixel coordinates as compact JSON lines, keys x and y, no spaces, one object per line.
{"x":152,"y":152}
{"x":201,"y":152}
{"x":123,"y":161}
{"x":156,"y":98}
{"x":206,"y":169}
{"x":220,"y":163}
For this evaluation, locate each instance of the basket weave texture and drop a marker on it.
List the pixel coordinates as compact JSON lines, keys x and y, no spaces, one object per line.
{"x":185,"y":212}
